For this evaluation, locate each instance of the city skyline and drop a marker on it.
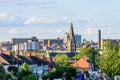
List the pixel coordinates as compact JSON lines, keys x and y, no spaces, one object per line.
{"x":51,"y":19}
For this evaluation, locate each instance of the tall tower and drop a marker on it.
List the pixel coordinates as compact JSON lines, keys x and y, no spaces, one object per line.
{"x":99,"y":39}
{"x":71,"y":47}
{"x":49,"y":43}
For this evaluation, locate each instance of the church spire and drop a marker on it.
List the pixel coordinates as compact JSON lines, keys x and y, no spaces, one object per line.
{"x":71,"y":31}
{"x":71,"y":41}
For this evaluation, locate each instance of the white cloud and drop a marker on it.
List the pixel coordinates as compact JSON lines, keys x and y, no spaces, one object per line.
{"x":65,"y":19}
{"x":17,"y":31}
{"x":47,"y":20}
{"x":58,"y":31}
{"x":2,"y":15}
{"x":42,"y":31}
{"x":89,"y":31}
{"x":107,"y":31}
{"x":13,"y":31}
{"x":53,"y":21}
{"x":31,"y":20}
{"x":37,"y":20}
{"x":7,"y":18}
{"x":44,"y":20}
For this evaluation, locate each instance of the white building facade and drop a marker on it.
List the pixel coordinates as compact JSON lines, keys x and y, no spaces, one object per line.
{"x":27,"y":46}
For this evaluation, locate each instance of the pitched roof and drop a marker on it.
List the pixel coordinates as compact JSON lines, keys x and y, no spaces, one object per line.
{"x":50,"y":62}
{"x":3,"y":61}
{"x":70,"y":55}
{"x":8,"y":58}
{"x":37,"y":60}
{"x":26,"y":60}
{"x":82,"y":63}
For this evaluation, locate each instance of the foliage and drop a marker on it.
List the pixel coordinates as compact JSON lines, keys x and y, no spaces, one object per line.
{"x":12,"y":69}
{"x":90,"y":52}
{"x":87,"y":73}
{"x":41,"y":51}
{"x":25,"y":71}
{"x":12,"y":52}
{"x":109,"y":60}
{"x":86,"y":51}
{"x":62,"y":69}
{"x":78,"y":49}
{"x":30,"y":77}
{"x":12,"y":72}
{"x":10,"y":76}
{"x":62,"y":60}
{"x":60,"y":72}
{"x":2,"y":73}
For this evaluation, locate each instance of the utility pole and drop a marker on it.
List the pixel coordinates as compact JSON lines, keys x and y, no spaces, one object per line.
{"x":18,"y":61}
{"x":75,"y":57}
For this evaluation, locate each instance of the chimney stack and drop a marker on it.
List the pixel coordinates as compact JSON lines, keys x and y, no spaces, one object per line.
{"x":99,"y":39}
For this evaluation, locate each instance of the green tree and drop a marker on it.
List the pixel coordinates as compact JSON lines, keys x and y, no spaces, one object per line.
{"x":12,"y":73}
{"x":86,"y":51}
{"x":62,"y":69}
{"x":12,"y":52}
{"x":25,"y":71}
{"x":62,"y":60}
{"x":90,"y":52}
{"x":30,"y":77}
{"x":2,"y":73}
{"x":60,"y":72}
{"x":108,"y":61}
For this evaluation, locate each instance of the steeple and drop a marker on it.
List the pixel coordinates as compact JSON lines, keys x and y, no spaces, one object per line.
{"x":71,"y":31}
{"x":71,"y":40}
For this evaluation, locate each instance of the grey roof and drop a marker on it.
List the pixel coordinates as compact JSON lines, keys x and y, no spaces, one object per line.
{"x":37,"y":60}
{"x":10,"y":59}
{"x":70,"y":55}
{"x":26,"y":60}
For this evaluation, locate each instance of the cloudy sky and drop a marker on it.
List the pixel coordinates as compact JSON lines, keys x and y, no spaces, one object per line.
{"x":51,"y":18}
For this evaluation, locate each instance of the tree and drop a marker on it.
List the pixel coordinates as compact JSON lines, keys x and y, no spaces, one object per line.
{"x":12,"y":52}
{"x":109,"y":60}
{"x":12,"y":73}
{"x":90,"y":52}
{"x":62,"y":60}
{"x":60,"y":72}
{"x":86,"y":51}
{"x":25,"y":71}
{"x":62,"y":69}
{"x":30,"y":77}
{"x":2,"y":73}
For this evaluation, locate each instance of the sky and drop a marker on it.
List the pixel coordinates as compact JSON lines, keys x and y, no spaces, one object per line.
{"x":51,"y":18}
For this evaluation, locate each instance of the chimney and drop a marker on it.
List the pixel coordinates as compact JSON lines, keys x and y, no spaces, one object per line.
{"x":0,"y":51}
{"x":27,"y":54}
{"x":99,"y":39}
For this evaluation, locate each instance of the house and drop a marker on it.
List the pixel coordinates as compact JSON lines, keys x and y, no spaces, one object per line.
{"x":8,"y":59}
{"x":82,"y":63}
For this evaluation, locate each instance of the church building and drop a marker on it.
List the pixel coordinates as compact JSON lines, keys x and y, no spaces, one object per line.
{"x":71,"y":44}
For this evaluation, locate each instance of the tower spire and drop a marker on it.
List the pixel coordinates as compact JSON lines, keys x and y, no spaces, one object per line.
{"x":71,"y":31}
{"x":71,"y":40}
